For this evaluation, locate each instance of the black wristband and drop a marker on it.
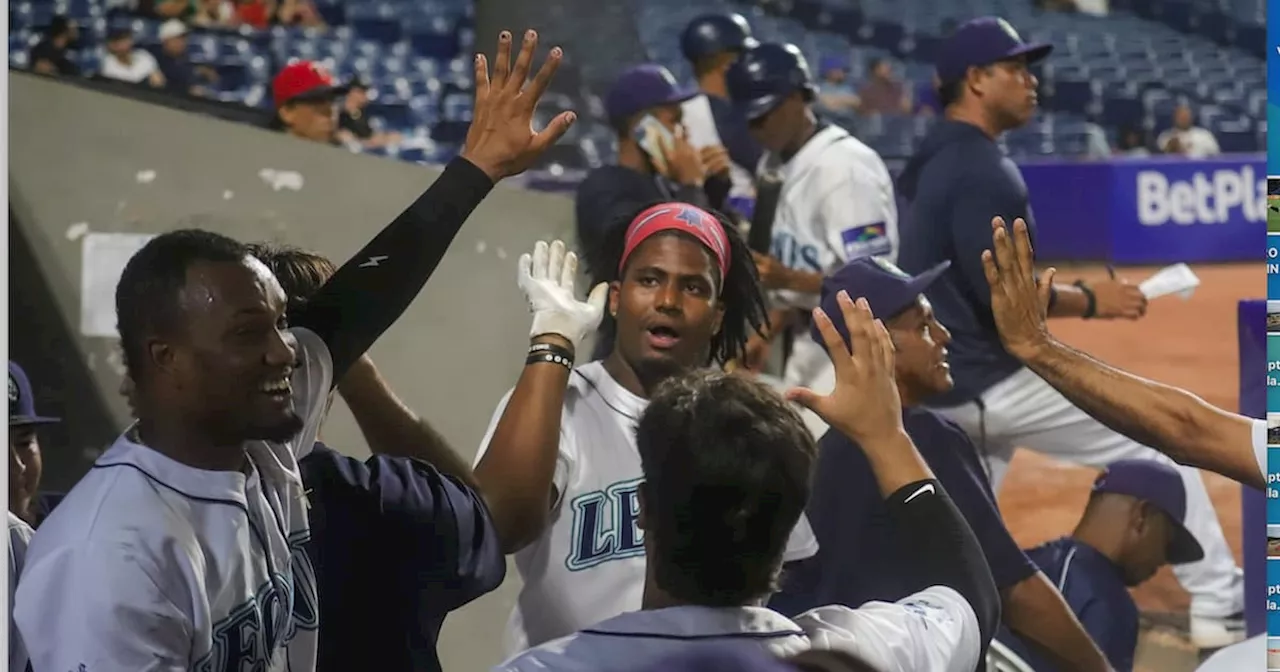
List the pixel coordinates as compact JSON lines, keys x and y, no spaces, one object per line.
{"x":548,"y":353}
{"x":1091,"y":308}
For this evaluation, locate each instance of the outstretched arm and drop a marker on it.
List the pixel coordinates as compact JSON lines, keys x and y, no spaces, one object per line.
{"x":370,"y":292}
{"x":1171,"y":420}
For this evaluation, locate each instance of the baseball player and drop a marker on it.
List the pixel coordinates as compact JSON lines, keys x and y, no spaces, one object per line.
{"x":183,"y":547}
{"x":856,"y":561}
{"x":20,"y":534}
{"x":955,"y":183}
{"x":1131,"y":527}
{"x":837,"y":199}
{"x":727,"y":464}
{"x":26,"y":460}
{"x":399,"y":540}
{"x":685,"y":296}
{"x":711,"y":43}
{"x":1171,"y":420}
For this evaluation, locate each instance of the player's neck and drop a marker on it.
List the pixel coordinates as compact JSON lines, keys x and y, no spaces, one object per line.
{"x":631,"y":156}
{"x":190,"y":447}
{"x":973,"y":116}
{"x":1101,"y":537}
{"x":808,"y":130}
{"x":907,"y":395}
{"x":657,"y":598}
{"x":624,"y":375}
{"x":713,"y":84}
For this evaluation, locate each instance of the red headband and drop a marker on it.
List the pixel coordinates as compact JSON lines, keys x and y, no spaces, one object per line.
{"x":678,"y":217}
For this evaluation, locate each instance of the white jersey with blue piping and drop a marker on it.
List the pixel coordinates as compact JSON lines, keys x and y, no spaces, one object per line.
{"x":150,"y":564}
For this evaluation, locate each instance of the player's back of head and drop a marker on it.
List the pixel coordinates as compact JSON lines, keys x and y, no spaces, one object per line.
{"x":147,"y":295}
{"x":726,"y":466}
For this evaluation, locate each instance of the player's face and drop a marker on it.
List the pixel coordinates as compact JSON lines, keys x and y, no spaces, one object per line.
{"x":26,"y":464}
{"x":921,"y":357}
{"x":1150,"y":535}
{"x":235,"y":362}
{"x":1009,"y":90}
{"x":666,"y":307}
{"x":776,"y":130}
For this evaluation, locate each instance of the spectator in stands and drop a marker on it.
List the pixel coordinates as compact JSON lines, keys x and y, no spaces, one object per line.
{"x":353,"y":125}
{"x":165,"y":9}
{"x":1131,"y":527}
{"x":1186,"y":138}
{"x":125,"y":62}
{"x":180,"y":75}
{"x":306,"y":101}
{"x":26,"y":462}
{"x":215,"y":14}
{"x":883,"y":92}
{"x":836,"y":96}
{"x":49,"y":57}
{"x":300,"y":13}
{"x":1132,"y":141}
{"x":256,"y":13}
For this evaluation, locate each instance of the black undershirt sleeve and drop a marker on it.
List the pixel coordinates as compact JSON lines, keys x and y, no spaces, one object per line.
{"x":370,"y":292}
{"x":940,"y":549}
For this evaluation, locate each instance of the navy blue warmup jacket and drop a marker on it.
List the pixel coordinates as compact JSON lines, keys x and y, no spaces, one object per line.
{"x":1095,"y":588}
{"x":858,"y":552}
{"x":396,"y":546}
{"x":734,"y":134}
{"x":955,"y":183}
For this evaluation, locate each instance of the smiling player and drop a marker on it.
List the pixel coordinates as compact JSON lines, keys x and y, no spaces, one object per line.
{"x":685,"y":296}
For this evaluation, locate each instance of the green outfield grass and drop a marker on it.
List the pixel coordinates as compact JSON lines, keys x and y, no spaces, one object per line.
{"x":1273,"y":218}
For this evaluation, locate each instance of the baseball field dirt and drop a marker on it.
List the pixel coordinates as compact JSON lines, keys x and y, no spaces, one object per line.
{"x":1191,"y":344}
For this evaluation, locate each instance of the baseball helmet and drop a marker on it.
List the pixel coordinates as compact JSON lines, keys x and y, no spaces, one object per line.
{"x":711,"y":34}
{"x":765,"y":75}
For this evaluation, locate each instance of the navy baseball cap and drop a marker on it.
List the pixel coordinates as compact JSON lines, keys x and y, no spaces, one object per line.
{"x":22,"y":403}
{"x":980,"y":42}
{"x":888,"y":290}
{"x":1161,"y":486}
{"x":643,"y":87}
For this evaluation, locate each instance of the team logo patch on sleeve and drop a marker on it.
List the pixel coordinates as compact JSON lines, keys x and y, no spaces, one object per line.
{"x":868,"y":240}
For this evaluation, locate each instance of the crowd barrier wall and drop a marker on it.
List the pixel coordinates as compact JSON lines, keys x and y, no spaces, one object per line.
{"x":1149,"y":210}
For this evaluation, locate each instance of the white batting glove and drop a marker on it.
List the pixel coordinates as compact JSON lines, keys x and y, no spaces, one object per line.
{"x":547,"y":278}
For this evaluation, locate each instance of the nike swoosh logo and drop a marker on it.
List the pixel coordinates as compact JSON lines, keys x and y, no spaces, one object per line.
{"x":927,"y":487}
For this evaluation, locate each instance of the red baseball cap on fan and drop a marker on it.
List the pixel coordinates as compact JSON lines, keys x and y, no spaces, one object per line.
{"x":304,"y":80}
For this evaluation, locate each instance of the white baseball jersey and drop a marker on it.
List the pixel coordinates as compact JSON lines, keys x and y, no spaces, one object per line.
{"x":837,"y":204}
{"x":588,"y":565}
{"x":934,"y":630}
{"x":700,"y":123}
{"x":149,"y":564}
{"x":19,"y":538}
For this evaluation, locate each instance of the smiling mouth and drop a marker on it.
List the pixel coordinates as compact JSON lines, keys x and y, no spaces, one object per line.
{"x":278,"y":389}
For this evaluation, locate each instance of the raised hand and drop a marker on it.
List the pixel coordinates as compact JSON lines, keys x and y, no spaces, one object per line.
{"x":501,"y":140}
{"x":547,"y":278}
{"x":864,"y":405}
{"x":1018,"y":300}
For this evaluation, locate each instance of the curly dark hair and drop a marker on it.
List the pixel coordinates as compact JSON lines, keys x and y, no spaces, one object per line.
{"x":727,"y":465}
{"x":745,"y":309}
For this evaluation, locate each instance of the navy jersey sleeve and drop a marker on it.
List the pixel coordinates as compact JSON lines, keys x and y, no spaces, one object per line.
{"x":434,"y":526}
{"x":733,"y":131}
{"x":953,"y":458}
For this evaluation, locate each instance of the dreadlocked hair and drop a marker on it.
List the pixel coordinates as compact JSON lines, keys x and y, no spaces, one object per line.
{"x":745,"y":309}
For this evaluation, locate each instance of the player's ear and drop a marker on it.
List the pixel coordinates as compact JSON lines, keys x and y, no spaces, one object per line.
{"x":615,"y":288}
{"x":162,"y":355}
